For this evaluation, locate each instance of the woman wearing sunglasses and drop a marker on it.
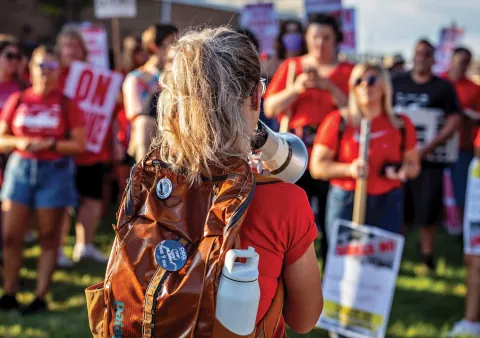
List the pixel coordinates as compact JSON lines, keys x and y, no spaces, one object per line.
{"x":43,"y":129}
{"x":393,"y":157}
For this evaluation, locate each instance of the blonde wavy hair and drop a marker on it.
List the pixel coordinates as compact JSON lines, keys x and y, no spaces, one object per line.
{"x":352,"y":112}
{"x":201,"y":124}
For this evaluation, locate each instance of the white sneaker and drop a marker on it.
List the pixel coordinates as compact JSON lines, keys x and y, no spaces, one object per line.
{"x":82,"y":251}
{"x":62,"y":260}
{"x":465,"y":328}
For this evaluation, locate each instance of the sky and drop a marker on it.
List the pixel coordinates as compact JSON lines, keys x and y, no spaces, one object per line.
{"x":389,"y":26}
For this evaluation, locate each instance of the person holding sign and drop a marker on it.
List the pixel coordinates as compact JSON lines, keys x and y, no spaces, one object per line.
{"x":44,"y":129}
{"x":469,"y":95}
{"x":142,"y":83}
{"x":91,"y":166}
{"x":469,"y":326}
{"x":304,"y":90}
{"x":432,"y":105}
{"x":393,"y":157}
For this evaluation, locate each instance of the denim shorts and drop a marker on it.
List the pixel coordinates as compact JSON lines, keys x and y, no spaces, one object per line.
{"x":382,"y":211}
{"x":40,"y":183}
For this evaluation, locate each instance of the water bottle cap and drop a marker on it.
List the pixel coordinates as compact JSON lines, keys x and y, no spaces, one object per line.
{"x":241,"y":272}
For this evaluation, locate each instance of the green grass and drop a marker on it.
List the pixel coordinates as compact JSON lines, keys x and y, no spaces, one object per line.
{"x":423,"y":306}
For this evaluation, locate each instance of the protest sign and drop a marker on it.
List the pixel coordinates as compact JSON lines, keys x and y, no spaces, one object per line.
{"x":96,"y":91}
{"x":450,"y":37}
{"x":322,"y":6}
{"x":108,"y":9}
{"x":471,"y":222}
{"x":261,"y":19}
{"x":359,"y":281}
{"x":428,"y":122}
{"x":95,"y":38}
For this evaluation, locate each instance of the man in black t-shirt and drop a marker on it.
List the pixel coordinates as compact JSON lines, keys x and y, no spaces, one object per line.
{"x":433,"y":106}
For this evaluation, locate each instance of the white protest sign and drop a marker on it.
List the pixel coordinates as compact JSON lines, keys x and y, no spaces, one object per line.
{"x":359,"y":280}
{"x":450,"y":37}
{"x":107,"y":9}
{"x":261,"y":19}
{"x":96,"y":91}
{"x":471,"y":221}
{"x":95,"y":38}
{"x":428,"y":122}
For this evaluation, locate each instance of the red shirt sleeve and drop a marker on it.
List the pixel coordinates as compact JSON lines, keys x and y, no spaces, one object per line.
{"x":279,"y":80}
{"x":75,"y":115}
{"x":301,"y":227}
{"x":410,"y":133}
{"x":9,"y":108}
{"x":476,"y":143}
{"x":328,"y":131}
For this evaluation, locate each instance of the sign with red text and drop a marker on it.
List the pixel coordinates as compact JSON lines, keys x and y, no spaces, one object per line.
{"x":261,"y":19}
{"x":95,"y":38}
{"x":471,"y":221}
{"x":96,"y":91}
{"x":359,"y":280}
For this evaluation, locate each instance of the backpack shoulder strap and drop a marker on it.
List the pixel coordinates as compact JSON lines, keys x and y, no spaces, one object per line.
{"x":268,"y":326}
{"x":263,"y":180}
{"x":341,"y":128}
{"x":20,"y":99}
{"x":403,"y":136}
{"x":64,"y":110}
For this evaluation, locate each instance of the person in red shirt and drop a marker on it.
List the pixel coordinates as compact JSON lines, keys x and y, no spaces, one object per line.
{"x":43,"y":128}
{"x":469,"y":326}
{"x":469,"y":95}
{"x":393,"y":157}
{"x":320,"y":86}
{"x":279,"y":223}
{"x":91,"y":167}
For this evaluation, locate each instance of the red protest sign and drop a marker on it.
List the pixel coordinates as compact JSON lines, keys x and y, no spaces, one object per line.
{"x":96,"y":91}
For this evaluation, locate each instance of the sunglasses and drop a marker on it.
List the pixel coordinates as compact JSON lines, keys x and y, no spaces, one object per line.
{"x":370,"y":80}
{"x":264,"y":87}
{"x":13,"y":56}
{"x":48,"y":65}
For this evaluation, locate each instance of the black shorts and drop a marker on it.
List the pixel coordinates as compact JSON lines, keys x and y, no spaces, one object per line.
{"x":89,"y":180}
{"x":424,"y":198}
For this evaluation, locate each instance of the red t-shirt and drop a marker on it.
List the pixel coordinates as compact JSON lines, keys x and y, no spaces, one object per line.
{"x":88,"y":158}
{"x":41,"y":116}
{"x":476,"y":143}
{"x":281,"y":230}
{"x":6,"y":89}
{"x":311,"y":107}
{"x":469,"y":95}
{"x":385,"y":147}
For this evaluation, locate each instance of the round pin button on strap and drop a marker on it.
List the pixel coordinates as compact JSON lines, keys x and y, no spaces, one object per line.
{"x":164,"y":188}
{"x":170,"y":255}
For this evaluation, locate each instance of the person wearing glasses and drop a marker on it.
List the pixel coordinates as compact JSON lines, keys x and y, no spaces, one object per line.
{"x":216,"y":132}
{"x":393,"y":157}
{"x":44,"y":129}
{"x":419,"y":93}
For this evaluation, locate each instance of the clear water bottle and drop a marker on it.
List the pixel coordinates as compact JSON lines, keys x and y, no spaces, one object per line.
{"x":239,"y":292}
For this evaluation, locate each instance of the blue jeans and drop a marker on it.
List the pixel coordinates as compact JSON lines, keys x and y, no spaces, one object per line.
{"x":382,"y":211}
{"x":460,"y":175}
{"x":40,"y":183}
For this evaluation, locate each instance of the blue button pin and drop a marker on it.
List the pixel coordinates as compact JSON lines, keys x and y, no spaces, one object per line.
{"x":170,"y":255}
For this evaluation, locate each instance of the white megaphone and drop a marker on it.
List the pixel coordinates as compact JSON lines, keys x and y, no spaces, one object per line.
{"x":283,"y":154}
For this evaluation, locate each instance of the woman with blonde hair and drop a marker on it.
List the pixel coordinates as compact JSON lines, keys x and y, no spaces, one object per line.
{"x":393,"y":156}
{"x":207,"y":115}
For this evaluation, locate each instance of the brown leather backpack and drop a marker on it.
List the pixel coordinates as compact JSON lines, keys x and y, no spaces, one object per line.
{"x":147,"y":294}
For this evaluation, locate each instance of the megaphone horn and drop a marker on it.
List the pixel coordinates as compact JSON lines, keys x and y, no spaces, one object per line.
{"x":283,"y":154}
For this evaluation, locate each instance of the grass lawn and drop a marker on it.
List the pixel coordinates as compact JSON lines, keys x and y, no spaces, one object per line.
{"x":422,"y":307}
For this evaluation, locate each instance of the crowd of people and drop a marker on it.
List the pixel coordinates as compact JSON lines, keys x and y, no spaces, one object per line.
{"x":47,"y":172}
